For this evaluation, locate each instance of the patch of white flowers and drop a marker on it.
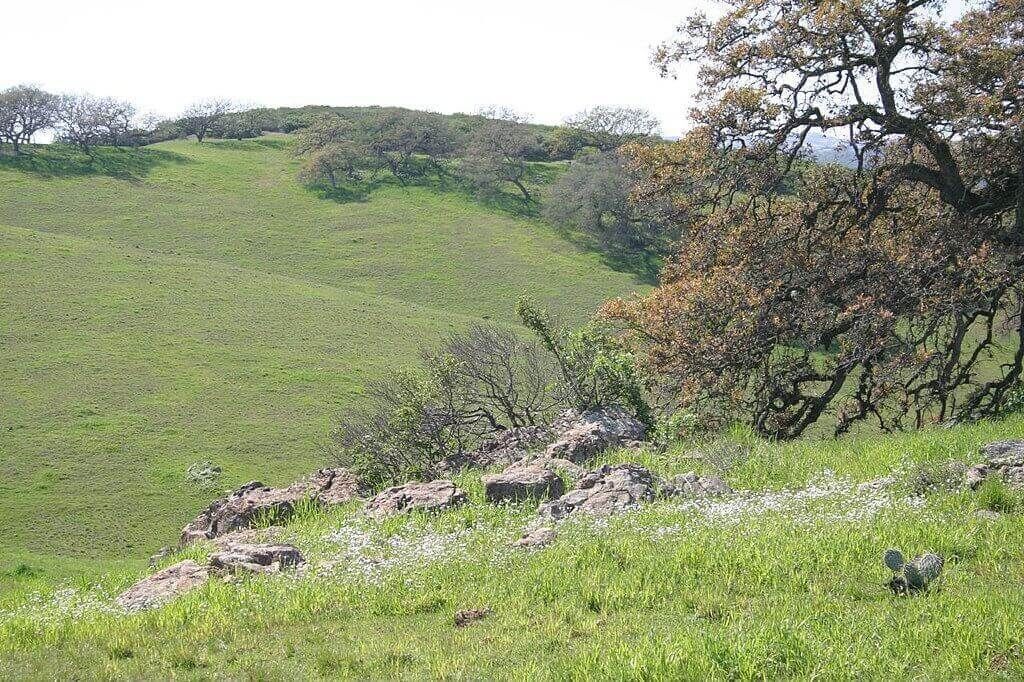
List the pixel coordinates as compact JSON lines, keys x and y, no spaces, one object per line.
{"x":826,"y":498}
{"x":366,"y":554}
{"x":63,"y":603}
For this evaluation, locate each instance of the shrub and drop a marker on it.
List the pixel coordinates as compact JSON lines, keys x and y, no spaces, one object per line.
{"x":597,"y":370}
{"x":476,"y":384}
{"x":930,"y":477}
{"x":479,"y":383}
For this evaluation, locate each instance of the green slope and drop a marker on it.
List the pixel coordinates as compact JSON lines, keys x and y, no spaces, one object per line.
{"x":195,"y":302}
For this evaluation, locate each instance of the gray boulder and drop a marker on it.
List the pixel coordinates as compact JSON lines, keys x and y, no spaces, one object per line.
{"x":164,"y":585}
{"x":535,"y":539}
{"x":500,"y":451}
{"x":607,"y":490}
{"x":256,"y":558}
{"x":690,"y":485}
{"x":432,"y":496}
{"x":255,"y":501}
{"x":581,"y":437}
{"x":1003,"y":458}
{"x":522,"y":482}
{"x":571,"y":436}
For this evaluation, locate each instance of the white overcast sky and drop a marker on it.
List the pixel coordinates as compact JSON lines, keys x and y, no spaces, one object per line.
{"x":546,"y":58}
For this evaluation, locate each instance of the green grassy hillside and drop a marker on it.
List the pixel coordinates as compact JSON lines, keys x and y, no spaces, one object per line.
{"x":188,"y":302}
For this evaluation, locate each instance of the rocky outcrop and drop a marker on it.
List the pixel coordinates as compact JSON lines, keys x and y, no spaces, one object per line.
{"x":467,"y":617}
{"x":256,"y":558}
{"x":164,"y":585}
{"x":581,"y":437}
{"x":607,"y":490}
{"x":335,"y":486}
{"x":1004,"y":458}
{"x":499,"y":451}
{"x":522,"y":482}
{"x":690,"y":485}
{"x":431,"y":496}
{"x":536,"y":538}
{"x":571,"y":436}
{"x":255,"y":501}
{"x":234,"y":556}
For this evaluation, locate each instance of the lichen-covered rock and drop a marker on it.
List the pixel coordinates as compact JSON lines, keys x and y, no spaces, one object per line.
{"x":1003,"y":448}
{"x":164,"y":585}
{"x":500,"y":451}
{"x":518,"y":483}
{"x":571,"y":437}
{"x":335,"y":486}
{"x":413,"y":496}
{"x":256,"y":558}
{"x":583,"y":436}
{"x":606,"y":490}
{"x":469,"y":616}
{"x":1004,"y":458}
{"x":536,"y":538}
{"x":690,"y":485}
{"x":255,"y":501}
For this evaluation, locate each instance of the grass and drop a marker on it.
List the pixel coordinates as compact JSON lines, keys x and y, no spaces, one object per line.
{"x":192,"y":302}
{"x":667,"y":592}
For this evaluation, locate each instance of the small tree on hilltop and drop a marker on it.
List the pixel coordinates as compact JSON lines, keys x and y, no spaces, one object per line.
{"x":200,"y":118}
{"x":891,"y":291}
{"x":242,"y":125}
{"x":607,"y":128}
{"x":86,"y":121}
{"x":399,"y":139}
{"x":497,"y":153}
{"x":24,"y":111}
{"x":331,"y":151}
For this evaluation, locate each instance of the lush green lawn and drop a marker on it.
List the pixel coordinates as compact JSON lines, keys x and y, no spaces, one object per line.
{"x":775,"y":585}
{"x":189,"y":302}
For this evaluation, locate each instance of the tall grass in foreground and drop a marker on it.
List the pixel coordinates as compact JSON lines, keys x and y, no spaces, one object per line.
{"x":783,"y":581}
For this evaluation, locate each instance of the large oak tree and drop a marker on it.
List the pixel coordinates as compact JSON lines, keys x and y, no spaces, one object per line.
{"x":892,"y":290}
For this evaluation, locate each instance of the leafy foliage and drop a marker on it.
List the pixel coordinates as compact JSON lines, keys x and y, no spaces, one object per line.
{"x":880,"y":292}
{"x":476,"y":384}
{"x":605,"y":128}
{"x":497,"y":153}
{"x":594,"y":196}
{"x":596,"y":369}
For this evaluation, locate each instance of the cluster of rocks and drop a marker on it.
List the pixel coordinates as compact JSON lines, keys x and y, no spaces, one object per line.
{"x":255,"y":501}
{"x":234,"y":555}
{"x":572,"y":436}
{"x":1004,"y":458}
{"x":557,"y":453}
{"x":541,"y":464}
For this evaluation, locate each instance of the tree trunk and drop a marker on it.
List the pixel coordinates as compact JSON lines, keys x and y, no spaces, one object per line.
{"x":1020,"y":191}
{"x":526,"y":195}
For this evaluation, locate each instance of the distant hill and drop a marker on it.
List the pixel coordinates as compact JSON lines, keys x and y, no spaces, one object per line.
{"x":827,"y":149}
{"x":187,"y":302}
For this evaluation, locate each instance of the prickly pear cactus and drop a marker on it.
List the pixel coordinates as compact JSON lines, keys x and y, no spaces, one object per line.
{"x":914,"y":576}
{"x":928,"y":566}
{"x":894,"y":560}
{"x":915,"y":581}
